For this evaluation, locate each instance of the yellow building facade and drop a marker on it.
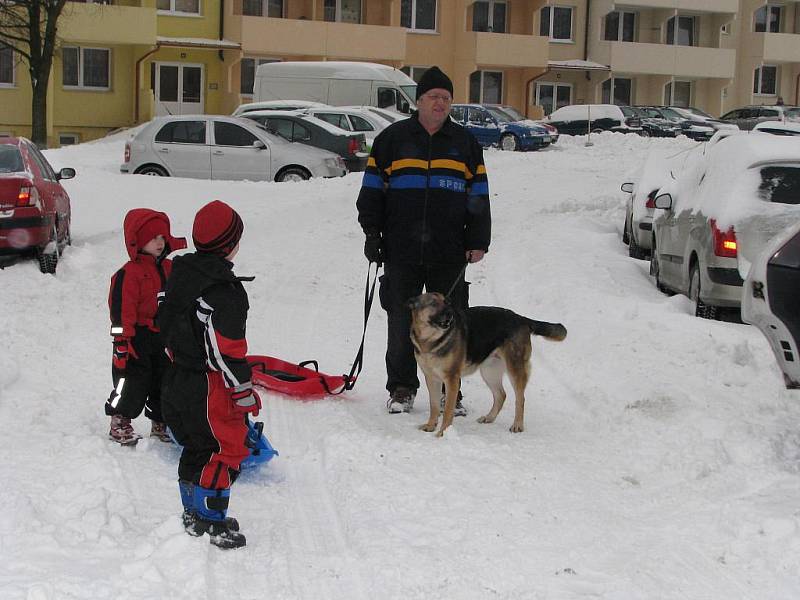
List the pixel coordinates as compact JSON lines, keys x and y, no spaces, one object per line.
{"x":122,"y":63}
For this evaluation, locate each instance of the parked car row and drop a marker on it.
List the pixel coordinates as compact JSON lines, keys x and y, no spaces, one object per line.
{"x":502,"y":126}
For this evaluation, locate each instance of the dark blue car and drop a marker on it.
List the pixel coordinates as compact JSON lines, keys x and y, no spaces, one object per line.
{"x":493,"y":126}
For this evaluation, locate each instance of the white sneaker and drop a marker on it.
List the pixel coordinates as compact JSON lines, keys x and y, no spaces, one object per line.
{"x":401,"y":400}
{"x":459,"y":411}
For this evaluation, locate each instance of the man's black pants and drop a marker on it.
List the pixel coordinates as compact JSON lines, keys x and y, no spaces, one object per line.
{"x":400,"y":283}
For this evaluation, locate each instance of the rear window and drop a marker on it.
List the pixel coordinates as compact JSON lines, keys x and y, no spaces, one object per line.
{"x":780,"y":184}
{"x":10,"y":159}
{"x":628,"y":111}
{"x":183,"y":132}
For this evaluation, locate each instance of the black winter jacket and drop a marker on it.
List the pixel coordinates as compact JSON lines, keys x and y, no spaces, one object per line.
{"x":203,"y":317}
{"x":427,"y":195}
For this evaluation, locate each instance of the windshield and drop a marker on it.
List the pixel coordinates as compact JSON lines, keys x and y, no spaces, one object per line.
{"x":628,"y":111}
{"x":792,"y":113}
{"x":498,"y":114}
{"x":670,"y":114}
{"x":699,"y":112}
{"x":411,"y":92}
{"x":513,"y":113}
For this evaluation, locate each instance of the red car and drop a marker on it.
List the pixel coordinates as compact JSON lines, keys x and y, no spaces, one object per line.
{"x":34,"y":207}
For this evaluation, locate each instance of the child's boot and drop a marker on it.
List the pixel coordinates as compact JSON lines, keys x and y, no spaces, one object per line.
{"x":189,"y":516}
{"x":121,"y":431}
{"x":210,"y":508}
{"x":159,"y":430}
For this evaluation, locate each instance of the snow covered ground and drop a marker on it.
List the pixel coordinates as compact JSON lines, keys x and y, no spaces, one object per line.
{"x":661,"y":458}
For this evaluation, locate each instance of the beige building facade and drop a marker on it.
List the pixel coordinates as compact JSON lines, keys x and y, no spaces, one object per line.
{"x":122,"y":62}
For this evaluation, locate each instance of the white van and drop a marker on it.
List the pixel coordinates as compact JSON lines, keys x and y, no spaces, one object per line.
{"x":336,"y":83}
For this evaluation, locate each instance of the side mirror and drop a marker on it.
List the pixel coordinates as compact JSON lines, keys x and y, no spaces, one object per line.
{"x":627,"y":188}
{"x":259,"y":145}
{"x":664,"y":201}
{"x":65,"y":173}
{"x":404,"y":107}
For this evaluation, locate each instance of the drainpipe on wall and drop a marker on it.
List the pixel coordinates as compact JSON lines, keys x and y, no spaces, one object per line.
{"x":138,"y":79}
{"x":221,"y":27}
{"x":797,"y":89}
{"x":528,"y":89}
{"x":586,"y":38}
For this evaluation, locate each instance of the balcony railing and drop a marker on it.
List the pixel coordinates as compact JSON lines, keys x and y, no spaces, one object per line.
{"x":106,"y":24}
{"x":663,"y":59}
{"x":295,"y":37}
{"x":504,"y":49}
{"x":692,"y":6}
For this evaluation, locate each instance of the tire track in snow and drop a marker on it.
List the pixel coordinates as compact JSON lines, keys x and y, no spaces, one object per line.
{"x":316,"y":537}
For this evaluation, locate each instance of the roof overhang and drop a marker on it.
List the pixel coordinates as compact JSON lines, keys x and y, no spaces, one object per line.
{"x":212,"y":44}
{"x":576,"y":65}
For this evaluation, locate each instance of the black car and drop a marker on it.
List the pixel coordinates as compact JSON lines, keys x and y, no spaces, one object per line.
{"x":655,"y":125}
{"x":305,"y":129}
{"x":769,"y":301}
{"x":694,"y":130}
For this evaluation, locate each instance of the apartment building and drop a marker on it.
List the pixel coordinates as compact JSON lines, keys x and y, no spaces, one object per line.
{"x":123,"y":63}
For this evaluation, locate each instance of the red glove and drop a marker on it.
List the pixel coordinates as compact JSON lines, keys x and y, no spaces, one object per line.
{"x":122,"y":349}
{"x":246,"y":401}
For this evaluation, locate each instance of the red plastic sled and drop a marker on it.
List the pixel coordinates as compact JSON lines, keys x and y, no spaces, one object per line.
{"x":281,"y":376}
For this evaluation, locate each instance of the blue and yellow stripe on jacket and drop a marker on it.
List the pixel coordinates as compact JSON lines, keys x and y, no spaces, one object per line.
{"x":415,"y":174}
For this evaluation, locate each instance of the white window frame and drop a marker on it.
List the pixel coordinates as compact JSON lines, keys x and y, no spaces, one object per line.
{"x":612,"y":85}
{"x":81,"y":86}
{"x":413,"y":25}
{"x":760,"y":70}
{"x":695,"y":30}
{"x":550,"y":37}
{"x":620,"y":25}
{"x":412,"y":69}
{"x":180,"y":13}
{"x":13,"y":82}
{"x":76,"y":138}
{"x":265,"y":10}
{"x":556,"y":85}
{"x":337,"y":17}
{"x":768,"y":7}
{"x":259,"y":60}
{"x":671,"y":100}
{"x":490,"y":19}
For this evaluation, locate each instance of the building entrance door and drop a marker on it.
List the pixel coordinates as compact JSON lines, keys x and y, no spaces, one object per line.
{"x":178,"y":89}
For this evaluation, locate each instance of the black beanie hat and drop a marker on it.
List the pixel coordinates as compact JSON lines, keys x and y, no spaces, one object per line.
{"x":434,"y":78}
{"x":217,"y":229}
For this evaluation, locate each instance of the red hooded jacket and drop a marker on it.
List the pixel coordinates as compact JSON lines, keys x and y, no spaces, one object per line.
{"x":133,"y":297}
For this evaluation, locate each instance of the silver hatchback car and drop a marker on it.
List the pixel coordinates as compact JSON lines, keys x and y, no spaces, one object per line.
{"x":720,"y":213}
{"x":217,"y":147}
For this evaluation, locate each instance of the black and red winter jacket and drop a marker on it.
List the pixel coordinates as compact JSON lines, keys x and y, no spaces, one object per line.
{"x":203,"y":317}
{"x":133,"y":297}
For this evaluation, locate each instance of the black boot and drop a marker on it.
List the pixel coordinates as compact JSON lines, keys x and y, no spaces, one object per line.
{"x":210,"y":508}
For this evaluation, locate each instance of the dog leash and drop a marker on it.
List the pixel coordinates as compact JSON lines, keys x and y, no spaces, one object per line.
{"x":458,"y":279}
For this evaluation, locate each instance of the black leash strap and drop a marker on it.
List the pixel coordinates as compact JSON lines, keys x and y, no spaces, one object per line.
{"x":458,"y":278}
{"x":350,"y":379}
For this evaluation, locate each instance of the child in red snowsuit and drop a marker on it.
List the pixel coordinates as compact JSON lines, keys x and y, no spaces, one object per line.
{"x":208,"y":392}
{"x":139,"y":360}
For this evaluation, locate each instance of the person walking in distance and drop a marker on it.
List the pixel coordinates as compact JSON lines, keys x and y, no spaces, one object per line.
{"x":424,"y":208}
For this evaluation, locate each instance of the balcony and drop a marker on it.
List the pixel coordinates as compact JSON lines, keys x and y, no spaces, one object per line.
{"x":295,"y":37}
{"x":692,"y":6}
{"x":781,"y":47}
{"x":661,"y":59}
{"x":106,"y":24}
{"x":503,"y":49}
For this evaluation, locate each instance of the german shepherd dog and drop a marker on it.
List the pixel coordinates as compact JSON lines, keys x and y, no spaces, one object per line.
{"x":449,"y":343}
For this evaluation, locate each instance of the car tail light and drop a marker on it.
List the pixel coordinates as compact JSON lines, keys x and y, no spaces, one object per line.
{"x":651,"y":199}
{"x":724,"y":241}
{"x":353,"y":145}
{"x":127,"y":152}
{"x":28,"y":196}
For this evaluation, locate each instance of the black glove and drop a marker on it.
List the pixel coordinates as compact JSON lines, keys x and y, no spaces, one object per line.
{"x":373,"y":248}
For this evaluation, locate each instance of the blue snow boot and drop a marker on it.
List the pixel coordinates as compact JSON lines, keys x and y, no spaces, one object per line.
{"x":189,"y":516}
{"x":210,"y":508}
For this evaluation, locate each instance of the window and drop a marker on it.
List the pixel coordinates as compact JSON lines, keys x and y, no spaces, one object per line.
{"x":261,"y":8}
{"x":294,"y":132}
{"x":418,"y":14}
{"x":248,"y":73}
{"x":678,"y":93}
{"x":685,"y":33}
{"x":768,"y":112}
{"x":552,"y":96}
{"x":228,"y":134}
{"x":620,"y":26}
{"x":10,"y":159}
{"x":182,"y":132}
{"x":336,"y":119}
{"x":555,"y":22}
{"x":45,"y":170}
{"x":86,"y":67}
{"x":489,"y":16}
{"x":780,"y":184}
{"x":68,"y":139}
{"x":457,"y":113}
{"x":764,"y":80}
{"x":6,"y":66}
{"x":617,"y":90}
{"x":343,"y":11}
{"x":360,"y":124}
{"x":191,"y":7}
{"x":486,"y":87}
{"x":767,"y":19}
{"x":414,"y":72}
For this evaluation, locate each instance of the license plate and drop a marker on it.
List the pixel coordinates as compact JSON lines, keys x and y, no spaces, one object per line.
{"x":547,"y":139}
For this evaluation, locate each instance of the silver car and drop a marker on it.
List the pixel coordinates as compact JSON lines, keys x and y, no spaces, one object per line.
{"x":720,"y":213}
{"x":217,"y":147}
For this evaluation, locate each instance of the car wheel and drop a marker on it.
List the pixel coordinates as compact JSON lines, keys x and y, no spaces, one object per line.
{"x":153,"y":171}
{"x":655,"y":271}
{"x":701,"y":309}
{"x":625,"y":236}
{"x":293,"y":174}
{"x":509,"y":142}
{"x":644,"y":133}
{"x":48,"y":256}
{"x":634,"y":249}
{"x":598,"y":130}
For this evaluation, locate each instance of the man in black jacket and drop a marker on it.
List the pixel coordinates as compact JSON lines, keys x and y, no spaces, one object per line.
{"x":208,"y":393}
{"x":424,"y":207}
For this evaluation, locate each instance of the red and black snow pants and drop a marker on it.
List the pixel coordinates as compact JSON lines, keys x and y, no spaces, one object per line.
{"x":138,"y":386}
{"x":198,"y":409}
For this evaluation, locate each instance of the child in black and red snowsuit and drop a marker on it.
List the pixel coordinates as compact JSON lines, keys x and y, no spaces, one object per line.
{"x":208,"y":394}
{"x":139,"y":360}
